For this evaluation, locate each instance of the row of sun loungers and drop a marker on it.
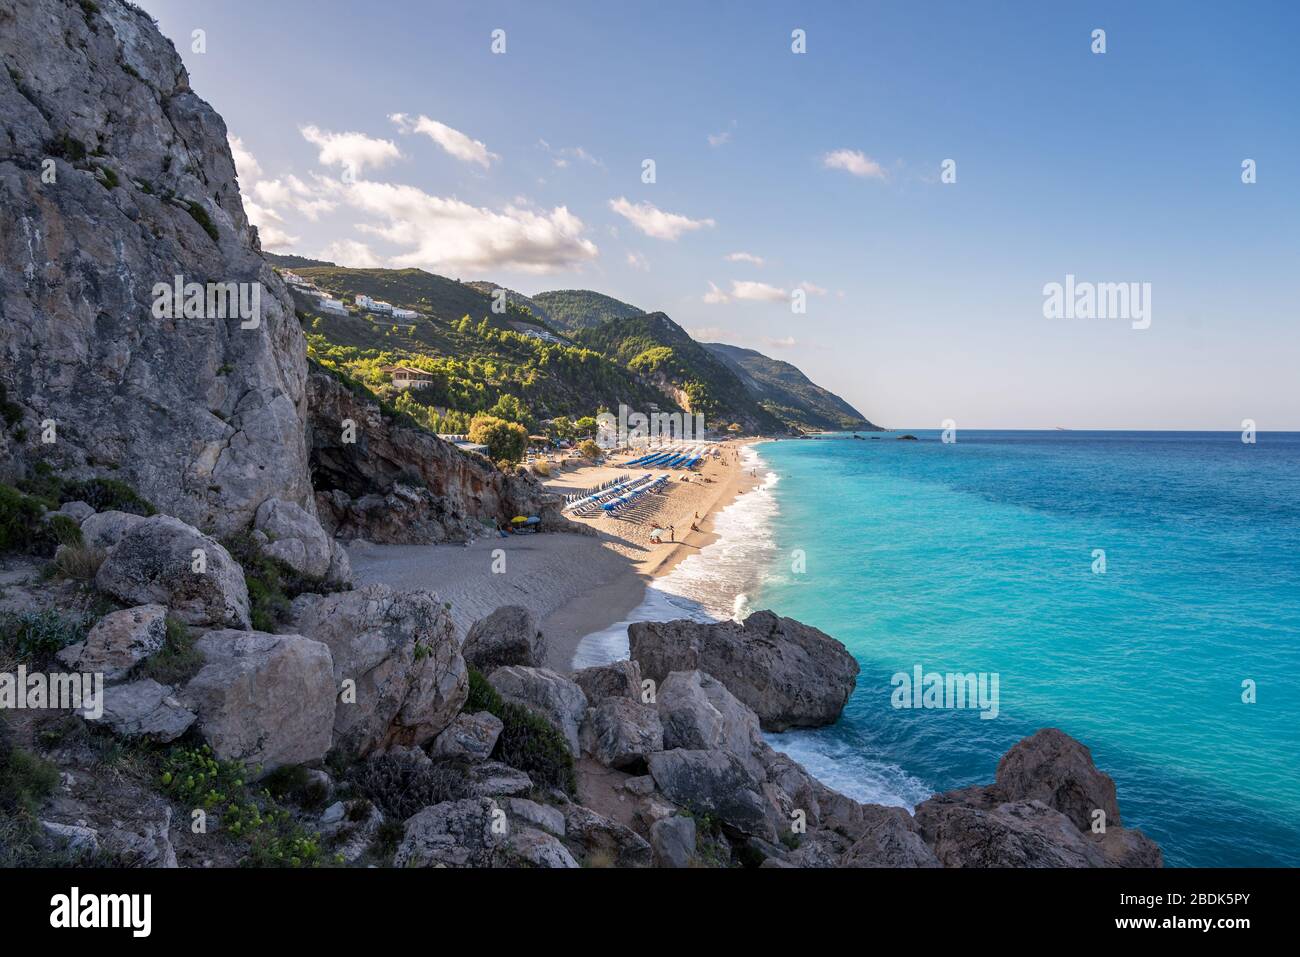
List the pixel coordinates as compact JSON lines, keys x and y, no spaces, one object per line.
{"x":670,"y":460}
{"x":591,"y":503}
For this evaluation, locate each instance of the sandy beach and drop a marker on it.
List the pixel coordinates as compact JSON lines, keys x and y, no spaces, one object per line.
{"x":574,"y":584}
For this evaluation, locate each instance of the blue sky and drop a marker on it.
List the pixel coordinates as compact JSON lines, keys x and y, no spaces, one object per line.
{"x":924,"y":298}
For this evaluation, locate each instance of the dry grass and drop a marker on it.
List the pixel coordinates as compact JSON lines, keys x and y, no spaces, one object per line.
{"x":80,"y":562}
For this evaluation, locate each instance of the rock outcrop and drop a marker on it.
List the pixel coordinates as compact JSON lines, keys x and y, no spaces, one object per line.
{"x":265,"y":700}
{"x":116,"y":178}
{"x":118,"y":642}
{"x":164,"y":561}
{"x":397,"y":483}
{"x":400,"y":654}
{"x":789,"y":673}
{"x":553,"y":696}
{"x":294,"y":537}
{"x":508,"y":636}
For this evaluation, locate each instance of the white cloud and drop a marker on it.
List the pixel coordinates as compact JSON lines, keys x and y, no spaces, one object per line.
{"x":787,"y":343}
{"x":561,"y":157}
{"x":294,"y":193}
{"x":715,"y":295}
{"x":654,"y":222}
{"x":855,"y":162}
{"x":246,"y":165}
{"x":758,"y":291}
{"x":442,"y":233}
{"x":722,"y":138}
{"x":275,"y":239}
{"x":710,"y":334}
{"x":352,"y":151}
{"x":744,"y":258}
{"x":453,"y":141}
{"x":812,"y":289}
{"x":351,"y":254}
{"x":638,"y":261}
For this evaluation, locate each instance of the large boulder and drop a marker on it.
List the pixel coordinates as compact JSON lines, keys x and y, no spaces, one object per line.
{"x":467,"y":833}
{"x":621,"y":734}
{"x":294,"y":537}
{"x":163,"y":561}
{"x":716,"y":783}
{"x":399,"y":651}
{"x":105,"y":529}
{"x":790,"y":674}
{"x":118,"y":642}
{"x":700,"y":714}
{"x":554,"y":697}
{"x":508,"y":636}
{"x":605,"y":842}
{"x":1054,"y":768}
{"x":145,"y":709}
{"x":534,"y":848}
{"x":673,"y":840}
{"x":264,"y":699}
{"x":891,"y":838}
{"x":621,"y":679}
{"x":471,"y":737}
{"x":1013,"y":834}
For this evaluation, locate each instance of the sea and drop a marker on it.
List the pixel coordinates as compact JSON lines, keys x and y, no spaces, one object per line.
{"x":1138,"y":590}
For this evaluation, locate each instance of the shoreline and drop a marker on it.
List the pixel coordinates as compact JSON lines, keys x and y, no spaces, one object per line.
{"x":574,"y":584}
{"x":603,"y":607}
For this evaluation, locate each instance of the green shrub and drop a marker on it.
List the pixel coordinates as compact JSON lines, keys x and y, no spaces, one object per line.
{"x":11,"y":412}
{"x":293,"y":783}
{"x":482,"y":696}
{"x":272,"y":584}
{"x":22,"y":525}
{"x":401,"y":785}
{"x":65,"y":147}
{"x":532,"y":744}
{"x":196,"y":779}
{"x":65,"y":529}
{"x":200,"y":216}
{"x":528,"y":741}
{"x":101,"y":494}
{"x":178,"y":661}
{"x":33,"y":635}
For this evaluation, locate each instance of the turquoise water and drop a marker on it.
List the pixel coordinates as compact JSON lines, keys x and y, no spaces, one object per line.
{"x":978,"y":556}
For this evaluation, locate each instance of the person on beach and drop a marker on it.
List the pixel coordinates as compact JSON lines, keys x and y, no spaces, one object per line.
{"x":672,"y":534}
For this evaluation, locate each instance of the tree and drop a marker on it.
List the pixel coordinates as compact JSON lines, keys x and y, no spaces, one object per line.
{"x":585,"y":426}
{"x":589,"y":449}
{"x":505,"y":440}
{"x":509,"y":407}
{"x":735,"y":427}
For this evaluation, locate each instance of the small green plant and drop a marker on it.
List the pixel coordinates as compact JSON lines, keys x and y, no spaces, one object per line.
{"x":22,"y":525}
{"x":195,"y":778}
{"x":110,"y":177}
{"x":292,"y":783}
{"x":482,"y":696}
{"x":65,"y":147}
{"x":65,"y":529}
{"x":178,"y":661}
{"x":11,"y":412}
{"x":200,"y":216}
{"x":35,"y":635}
{"x":272,"y":584}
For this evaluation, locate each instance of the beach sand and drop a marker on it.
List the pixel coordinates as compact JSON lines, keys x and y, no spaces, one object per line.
{"x":573,"y":584}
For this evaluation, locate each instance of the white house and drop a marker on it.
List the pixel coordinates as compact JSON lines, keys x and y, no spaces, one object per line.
{"x":327,"y":304}
{"x":375,"y":305}
{"x":404,"y":313}
{"x":405,"y":377}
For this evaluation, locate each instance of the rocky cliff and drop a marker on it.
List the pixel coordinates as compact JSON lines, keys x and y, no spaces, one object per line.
{"x":115,"y":177}
{"x":385,"y":479}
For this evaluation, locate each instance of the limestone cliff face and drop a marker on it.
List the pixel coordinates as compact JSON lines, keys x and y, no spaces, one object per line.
{"x":388,"y":482}
{"x":115,"y":176}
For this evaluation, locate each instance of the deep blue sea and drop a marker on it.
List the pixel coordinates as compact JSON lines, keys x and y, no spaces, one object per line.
{"x":978,"y":556}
